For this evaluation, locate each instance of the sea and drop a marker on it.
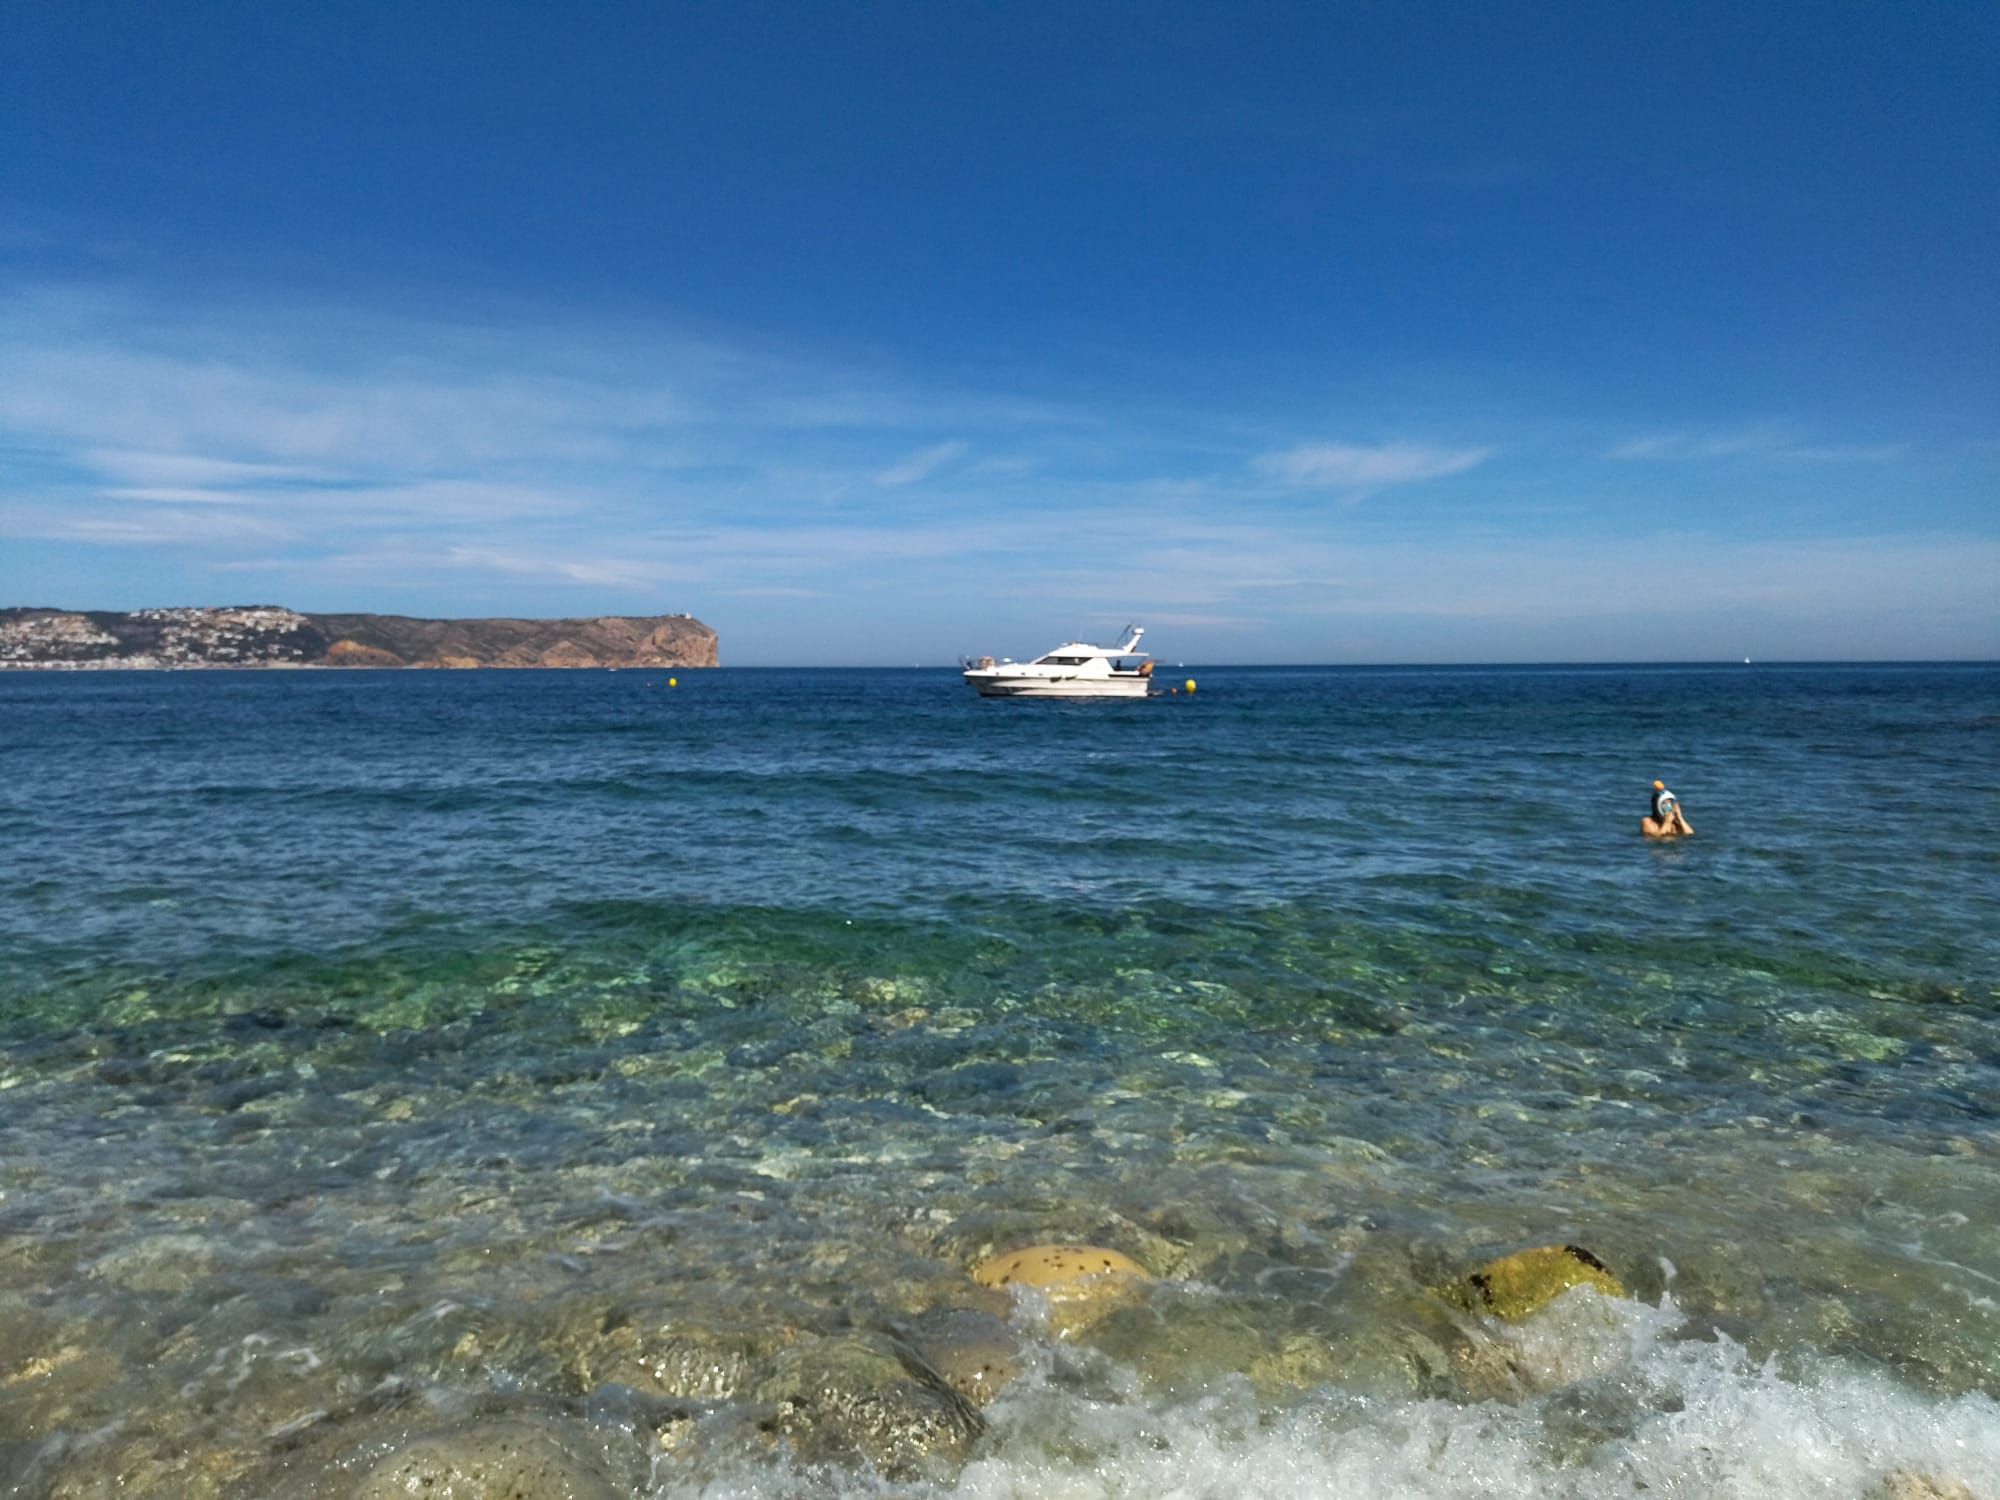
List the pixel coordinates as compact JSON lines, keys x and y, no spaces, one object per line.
{"x":581,"y":1084}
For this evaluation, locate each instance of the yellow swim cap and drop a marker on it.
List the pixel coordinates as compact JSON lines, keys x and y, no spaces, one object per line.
{"x":1659,"y":786}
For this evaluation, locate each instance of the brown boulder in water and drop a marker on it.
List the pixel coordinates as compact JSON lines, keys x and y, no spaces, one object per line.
{"x":1518,"y":1285}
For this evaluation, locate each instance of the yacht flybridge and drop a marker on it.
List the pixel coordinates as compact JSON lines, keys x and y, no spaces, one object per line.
{"x":1070,"y":671}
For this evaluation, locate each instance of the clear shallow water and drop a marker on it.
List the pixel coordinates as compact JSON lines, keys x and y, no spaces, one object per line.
{"x":377,"y":1048}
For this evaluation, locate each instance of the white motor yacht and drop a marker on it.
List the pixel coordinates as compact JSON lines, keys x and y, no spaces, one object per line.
{"x":1074,"y":670}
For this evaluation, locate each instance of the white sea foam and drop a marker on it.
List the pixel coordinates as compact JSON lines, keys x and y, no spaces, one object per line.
{"x":1580,"y":1336}
{"x":1684,"y":1419}
{"x":1661,"y":1416}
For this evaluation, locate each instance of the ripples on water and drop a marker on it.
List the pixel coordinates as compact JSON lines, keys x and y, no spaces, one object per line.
{"x":375,"y":1046}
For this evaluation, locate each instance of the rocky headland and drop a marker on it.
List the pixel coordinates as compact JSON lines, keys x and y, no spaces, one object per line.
{"x":269,"y":636}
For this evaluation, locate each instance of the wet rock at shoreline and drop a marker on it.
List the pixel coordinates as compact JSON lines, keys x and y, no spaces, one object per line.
{"x":864,"y":1396}
{"x":1081,"y":1283}
{"x":503,"y":1458}
{"x":397,"y":1440}
{"x":1903,"y":1485}
{"x":1518,"y":1285}
{"x":1181,"y":1346}
{"x":687,"y":1360}
{"x":976,"y":1352}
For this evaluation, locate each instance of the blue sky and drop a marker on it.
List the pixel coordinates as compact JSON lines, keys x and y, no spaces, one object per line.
{"x":878,"y":333}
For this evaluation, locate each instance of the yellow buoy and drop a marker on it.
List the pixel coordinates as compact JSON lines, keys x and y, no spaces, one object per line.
{"x":1190,"y":684}
{"x":673,"y":682}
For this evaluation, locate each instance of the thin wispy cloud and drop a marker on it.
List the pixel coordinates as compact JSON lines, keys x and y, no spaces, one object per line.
{"x":1767,"y":441}
{"x":157,"y":469}
{"x":921,"y":465}
{"x":1847,"y":453}
{"x":1355,"y":466}
{"x":611,"y":573}
{"x":157,"y":495}
{"x":152,"y":527}
{"x":1682,"y":445}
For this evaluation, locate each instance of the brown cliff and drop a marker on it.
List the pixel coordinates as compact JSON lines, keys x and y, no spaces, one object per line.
{"x":606,"y":641}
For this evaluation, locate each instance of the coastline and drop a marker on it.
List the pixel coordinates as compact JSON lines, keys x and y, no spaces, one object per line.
{"x":122,"y":665}
{"x":273,"y":636}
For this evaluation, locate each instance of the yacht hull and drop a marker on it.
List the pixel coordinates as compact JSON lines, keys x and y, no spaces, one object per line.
{"x":1070,"y":687}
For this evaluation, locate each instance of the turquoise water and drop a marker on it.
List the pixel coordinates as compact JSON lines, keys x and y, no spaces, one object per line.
{"x":381,"y":1052}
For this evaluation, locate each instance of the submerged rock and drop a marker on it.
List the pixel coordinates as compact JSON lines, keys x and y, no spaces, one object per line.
{"x":1903,"y":1485}
{"x":50,"y":1377}
{"x":693,"y":1361}
{"x":400,"y":1440}
{"x":175,"y":1262}
{"x":865,"y":1396}
{"x":1080,"y":1283}
{"x":1076,"y":1269}
{"x":1060,"y":1272}
{"x":142,"y":1466}
{"x":1181,"y":1346}
{"x":1516,"y":1286}
{"x":494,"y":1459}
{"x":974,"y":1351}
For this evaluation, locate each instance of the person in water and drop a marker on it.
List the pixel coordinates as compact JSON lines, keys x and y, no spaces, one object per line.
{"x":1666,"y":820}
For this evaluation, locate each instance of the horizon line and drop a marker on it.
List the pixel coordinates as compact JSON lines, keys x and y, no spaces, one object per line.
{"x":67,"y":669}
